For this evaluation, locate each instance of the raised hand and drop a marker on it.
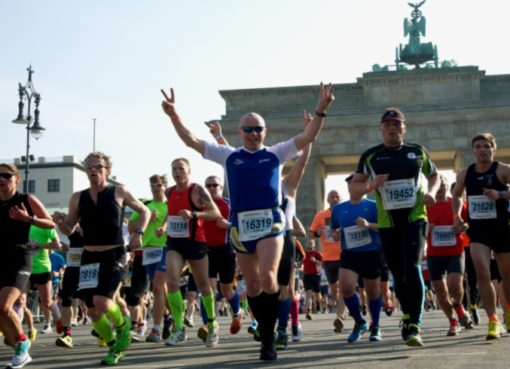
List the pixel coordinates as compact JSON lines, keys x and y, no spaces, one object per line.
{"x":326,"y":98}
{"x":168,"y":104}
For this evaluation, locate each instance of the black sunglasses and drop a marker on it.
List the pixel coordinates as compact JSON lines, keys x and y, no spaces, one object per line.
{"x":156,"y":185}
{"x":6,"y":175}
{"x":248,"y":129}
{"x":209,"y":185}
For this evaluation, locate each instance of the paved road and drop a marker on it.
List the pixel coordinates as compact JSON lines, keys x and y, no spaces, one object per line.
{"x":320,"y":348}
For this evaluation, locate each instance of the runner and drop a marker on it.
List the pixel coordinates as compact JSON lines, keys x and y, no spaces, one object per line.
{"x":150,"y":260}
{"x":253,"y":175}
{"x":189,"y":205}
{"x":99,"y":210}
{"x":393,"y":169}
{"x":354,"y":224}
{"x":445,"y":258}
{"x":17,"y":213}
{"x":486,"y":183}
{"x":320,"y":227}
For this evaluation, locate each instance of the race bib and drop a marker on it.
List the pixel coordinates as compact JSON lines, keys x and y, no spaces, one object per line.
{"x":356,"y":236}
{"x":328,"y":234}
{"x":74,"y":256}
{"x":398,"y":194}
{"x":177,"y":227}
{"x":443,"y":236}
{"x":89,"y":276}
{"x":255,"y":224}
{"x":480,"y":207}
{"x":151,"y":255}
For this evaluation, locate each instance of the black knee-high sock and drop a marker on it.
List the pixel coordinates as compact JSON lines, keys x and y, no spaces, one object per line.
{"x":270,"y":305}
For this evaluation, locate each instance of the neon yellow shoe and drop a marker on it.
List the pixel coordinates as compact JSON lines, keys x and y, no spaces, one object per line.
{"x":113,"y":357}
{"x":65,"y":341}
{"x":495,"y":330}
{"x":101,"y":342}
{"x":32,"y":335}
{"x":507,"y":320}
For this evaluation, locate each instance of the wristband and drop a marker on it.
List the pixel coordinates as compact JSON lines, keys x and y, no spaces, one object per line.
{"x":194,"y":214}
{"x":139,"y":230}
{"x":322,"y":115}
{"x":501,"y":194}
{"x":32,"y":220}
{"x":218,"y":137}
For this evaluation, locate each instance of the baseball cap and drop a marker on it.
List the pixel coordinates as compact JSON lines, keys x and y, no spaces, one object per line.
{"x":393,"y":114}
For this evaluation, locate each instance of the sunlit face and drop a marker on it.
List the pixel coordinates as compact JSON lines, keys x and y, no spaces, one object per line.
{"x":96,"y":169}
{"x":443,"y":189}
{"x":310,"y":245}
{"x":180,"y":171}
{"x":393,"y":132}
{"x":483,"y":151}
{"x":333,"y":198}
{"x":252,"y":130}
{"x":214,"y":187}
{"x":8,"y":180}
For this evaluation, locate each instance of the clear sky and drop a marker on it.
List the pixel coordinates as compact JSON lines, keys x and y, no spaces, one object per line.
{"x":109,"y":59}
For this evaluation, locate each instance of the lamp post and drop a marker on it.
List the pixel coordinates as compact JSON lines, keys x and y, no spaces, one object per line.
{"x":27,"y":93}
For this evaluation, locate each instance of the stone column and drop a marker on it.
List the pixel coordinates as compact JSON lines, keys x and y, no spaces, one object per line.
{"x":310,"y":198}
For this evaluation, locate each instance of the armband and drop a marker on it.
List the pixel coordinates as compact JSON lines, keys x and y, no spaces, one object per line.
{"x":139,"y":231}
{"x":319,"y":114}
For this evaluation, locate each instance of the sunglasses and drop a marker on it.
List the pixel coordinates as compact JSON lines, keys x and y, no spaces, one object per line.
{"x":95,"y":166}
{"x":6,"y":175}
{"x":209,"y":185}
{"x":248,"y":129}
{"x":156,"y":185}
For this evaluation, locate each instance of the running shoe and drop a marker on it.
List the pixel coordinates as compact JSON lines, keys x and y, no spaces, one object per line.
{"x":507,"y":320}
{"x":388,"y":309}
{"x":466,"y":322}
{"x":495,"y":330}
{"x":454,"y":328}
{"x":65,"y":341}
{"x":203,"y":332}
{"x":122,"y":336}
{"x":167,"y":325}
{"x":189,"y":322}
{"x":177,"y":336}
{"x":252,"y":327}
{"x":101,"y":342}
{"x":59,"y":327}
{"x":358,"y":330}
{"x":74,"y":323}
{"x":154,"y":336}
{"x":212,"y":335}
{"x":339,"y":325}
{"x":32,"y":334}
{"x":47,"y":329}
{"x":237,"y":321}
{"x":297,"y":333}
{"x":404,"y":325}
{"x":268,"y":353}
{"x":281,"y":340}
{"x":414,"y":336}
{"x":113,"y":357}
{"x":375,"y":333}
{"x":308,"y":315}
{"x":21,"y":356}
{"x":475,"y":315}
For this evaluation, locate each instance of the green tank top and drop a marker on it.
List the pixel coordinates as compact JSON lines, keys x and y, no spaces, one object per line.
{"x":41,"y":261}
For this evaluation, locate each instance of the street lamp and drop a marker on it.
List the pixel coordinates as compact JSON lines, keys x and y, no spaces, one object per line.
{"x":28,"y":93}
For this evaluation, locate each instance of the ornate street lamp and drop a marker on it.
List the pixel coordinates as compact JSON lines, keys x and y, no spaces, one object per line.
{"x":27,"y":93}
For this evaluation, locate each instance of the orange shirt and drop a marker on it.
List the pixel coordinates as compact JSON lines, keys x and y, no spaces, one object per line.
{"x":330,"y":248}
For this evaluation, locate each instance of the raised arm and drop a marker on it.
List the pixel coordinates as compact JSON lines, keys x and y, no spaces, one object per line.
{"x":185,"y":135}
{"x":293,"y":178}
{"x":313,"y":129}
{"x":215,"y":129}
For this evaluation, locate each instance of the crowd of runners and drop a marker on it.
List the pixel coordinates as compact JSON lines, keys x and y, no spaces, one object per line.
{"x":232,"y":245}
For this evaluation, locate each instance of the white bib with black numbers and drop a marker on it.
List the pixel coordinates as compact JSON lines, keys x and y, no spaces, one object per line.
{"x":480,"y":207}
{"x":74,"y":256}
{"x":255,"y":224}
{"x":177,"y":227}
{"x":443,"y":236}
{"x":356,"y":236}
{"x":398,"y":194}
{"x":151,"y":255}
{"x":89,"y":276}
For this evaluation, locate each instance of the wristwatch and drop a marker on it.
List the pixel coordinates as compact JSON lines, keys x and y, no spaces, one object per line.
{"x":139,"y":231}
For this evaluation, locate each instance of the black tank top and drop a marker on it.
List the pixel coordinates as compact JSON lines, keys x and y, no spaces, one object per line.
{"x":13,"y":232}
{"x":101,"y":222}
{"x":475,"y":182}
{"x":75,"y":240}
